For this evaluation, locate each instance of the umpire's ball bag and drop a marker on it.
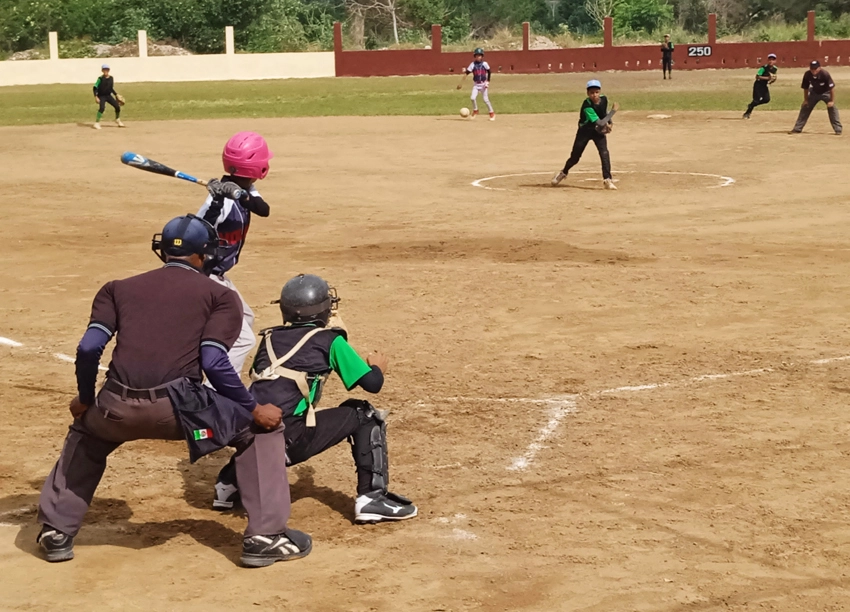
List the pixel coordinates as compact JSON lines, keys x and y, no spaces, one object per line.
{"x":210,"y":421}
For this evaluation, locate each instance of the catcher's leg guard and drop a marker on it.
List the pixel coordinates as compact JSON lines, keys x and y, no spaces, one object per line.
{"x":369,"y":447}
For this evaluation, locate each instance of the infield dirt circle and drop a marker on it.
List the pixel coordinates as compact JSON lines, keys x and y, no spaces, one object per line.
{"x":657,"y":364}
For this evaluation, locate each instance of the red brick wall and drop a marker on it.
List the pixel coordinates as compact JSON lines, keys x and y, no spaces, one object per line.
{"x":589,"y":59}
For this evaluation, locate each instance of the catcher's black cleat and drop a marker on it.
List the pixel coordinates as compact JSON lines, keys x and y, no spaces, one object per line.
{"x":55,"y":545}
{"x":262,"y":551}
{"x":226,"y":496}
{"x":377,"y":506}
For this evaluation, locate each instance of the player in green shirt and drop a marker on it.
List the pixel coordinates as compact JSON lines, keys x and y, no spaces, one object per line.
{"x":764,"y":77}
{"x":594,"y":124}
{"x":292,"y":363}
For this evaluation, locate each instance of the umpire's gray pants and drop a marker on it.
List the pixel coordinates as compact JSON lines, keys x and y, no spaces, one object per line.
{"x":807,"y":108}
{"x":68,"y":491}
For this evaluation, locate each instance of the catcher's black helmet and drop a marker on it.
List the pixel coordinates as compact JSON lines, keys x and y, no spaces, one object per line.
{"x":307,"y":298}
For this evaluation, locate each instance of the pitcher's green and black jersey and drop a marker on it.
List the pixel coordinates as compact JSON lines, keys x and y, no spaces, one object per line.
{"x":326,"y":352}
{"x":766,"y":70}
{"x":104,"y":87}
{"x":590,"y":113}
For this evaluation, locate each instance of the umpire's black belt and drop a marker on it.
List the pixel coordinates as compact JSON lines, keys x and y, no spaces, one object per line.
{"x":126,"y":392}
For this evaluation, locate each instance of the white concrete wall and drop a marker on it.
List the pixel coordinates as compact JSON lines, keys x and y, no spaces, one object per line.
{"x":236,"y":67}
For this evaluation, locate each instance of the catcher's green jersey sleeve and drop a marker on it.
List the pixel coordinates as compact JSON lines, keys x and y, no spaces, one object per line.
{"x":347,"y":363}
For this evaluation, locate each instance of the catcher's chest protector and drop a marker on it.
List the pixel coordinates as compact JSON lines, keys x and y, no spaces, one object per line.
{"x":276,"y":370}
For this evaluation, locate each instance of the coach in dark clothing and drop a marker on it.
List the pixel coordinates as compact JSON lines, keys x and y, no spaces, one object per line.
{"x":817,"y":87}
{"x":172,"y":325}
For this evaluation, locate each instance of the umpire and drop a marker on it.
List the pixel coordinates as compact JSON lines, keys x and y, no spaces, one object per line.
{"x":667,"y":57}
{"x":171,"y":324}
{"x":817,"y":86}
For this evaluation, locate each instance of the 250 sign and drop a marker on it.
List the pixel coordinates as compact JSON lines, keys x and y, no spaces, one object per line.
{"x":700,"y":51}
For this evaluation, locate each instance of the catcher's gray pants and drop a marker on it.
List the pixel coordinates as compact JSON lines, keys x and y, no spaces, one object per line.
{"x":807,"y":108}
{"x":68,"y":491}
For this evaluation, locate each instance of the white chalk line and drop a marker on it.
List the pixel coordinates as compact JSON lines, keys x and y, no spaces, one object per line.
{"x":565,"y":405}
{"x":59,"y":356}
{"x":725,"y":180}
{"x":557,"y":413}
{"x":457,"y":533}
{"x":18,"y":511}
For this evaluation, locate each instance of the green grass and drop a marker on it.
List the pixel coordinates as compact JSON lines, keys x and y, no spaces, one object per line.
{"x":698,"y":90}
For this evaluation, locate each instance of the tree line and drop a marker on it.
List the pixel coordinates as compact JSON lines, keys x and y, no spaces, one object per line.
{"x":291,"y":25}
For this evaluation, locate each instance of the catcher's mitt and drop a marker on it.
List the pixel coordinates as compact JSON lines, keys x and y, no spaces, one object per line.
{"x":121,"y":100}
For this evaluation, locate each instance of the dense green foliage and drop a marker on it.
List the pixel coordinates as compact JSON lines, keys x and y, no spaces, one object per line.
{"x":281,"y":25}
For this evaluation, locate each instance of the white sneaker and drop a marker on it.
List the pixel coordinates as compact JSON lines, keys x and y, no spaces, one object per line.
{"x":609,"y":184}
{"x":558,"y":178}
{"x":96,"y":125}
{"x":119,"y":123}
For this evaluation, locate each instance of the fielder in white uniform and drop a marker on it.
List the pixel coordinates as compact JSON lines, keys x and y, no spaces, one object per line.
{"x":480,"y":71}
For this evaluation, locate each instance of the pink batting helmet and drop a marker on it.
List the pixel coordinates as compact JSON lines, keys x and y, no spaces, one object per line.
{"x":247,"y":154}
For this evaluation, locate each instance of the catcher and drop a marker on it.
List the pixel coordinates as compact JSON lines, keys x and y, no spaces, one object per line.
{"x":104,"y":93}
{"x":289,"y":371}
{"x":765,"y":76}
{"x":594,"y":124}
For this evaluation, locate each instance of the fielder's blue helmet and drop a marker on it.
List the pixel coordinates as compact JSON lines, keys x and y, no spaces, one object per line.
{"x":594,"y":83}
{"x":184,"y":236}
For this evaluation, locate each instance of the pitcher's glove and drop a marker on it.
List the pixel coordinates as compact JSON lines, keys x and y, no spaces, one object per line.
{"x":605,"y":128}
{"x":121,"y":100}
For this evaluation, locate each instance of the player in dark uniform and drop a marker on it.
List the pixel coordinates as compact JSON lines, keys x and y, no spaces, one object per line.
{"x":667,"y":57}
{"x":289,"y":371}
{"x":104,"y":93}
{"x":594,"y":123}
{"x":172,"y":325}
{"x":818,"y":86}
{"x":764,"y":77}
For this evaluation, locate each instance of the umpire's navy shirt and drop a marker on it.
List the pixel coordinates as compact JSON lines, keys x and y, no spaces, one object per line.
{"x":819,"y":83}
{"x":161,"y":318}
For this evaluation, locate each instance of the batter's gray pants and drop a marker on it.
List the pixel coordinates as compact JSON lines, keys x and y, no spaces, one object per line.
{"x":68,"y":491}
{"x":807,"y":108}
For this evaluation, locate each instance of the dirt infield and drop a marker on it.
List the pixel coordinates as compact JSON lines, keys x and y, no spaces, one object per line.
{"x":601,"y":400}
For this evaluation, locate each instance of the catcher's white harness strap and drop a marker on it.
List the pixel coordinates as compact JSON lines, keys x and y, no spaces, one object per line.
{"x":276,"y":370}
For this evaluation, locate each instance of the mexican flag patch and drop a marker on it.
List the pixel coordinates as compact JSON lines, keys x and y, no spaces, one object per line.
{"x":203,"y":434}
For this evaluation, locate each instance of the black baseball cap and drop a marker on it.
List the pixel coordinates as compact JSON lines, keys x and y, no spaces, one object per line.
{"x":814,"y":64}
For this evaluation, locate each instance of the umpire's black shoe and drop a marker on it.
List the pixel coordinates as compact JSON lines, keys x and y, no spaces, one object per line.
{"x":260,"y":551}
{"x":57,"y":546}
